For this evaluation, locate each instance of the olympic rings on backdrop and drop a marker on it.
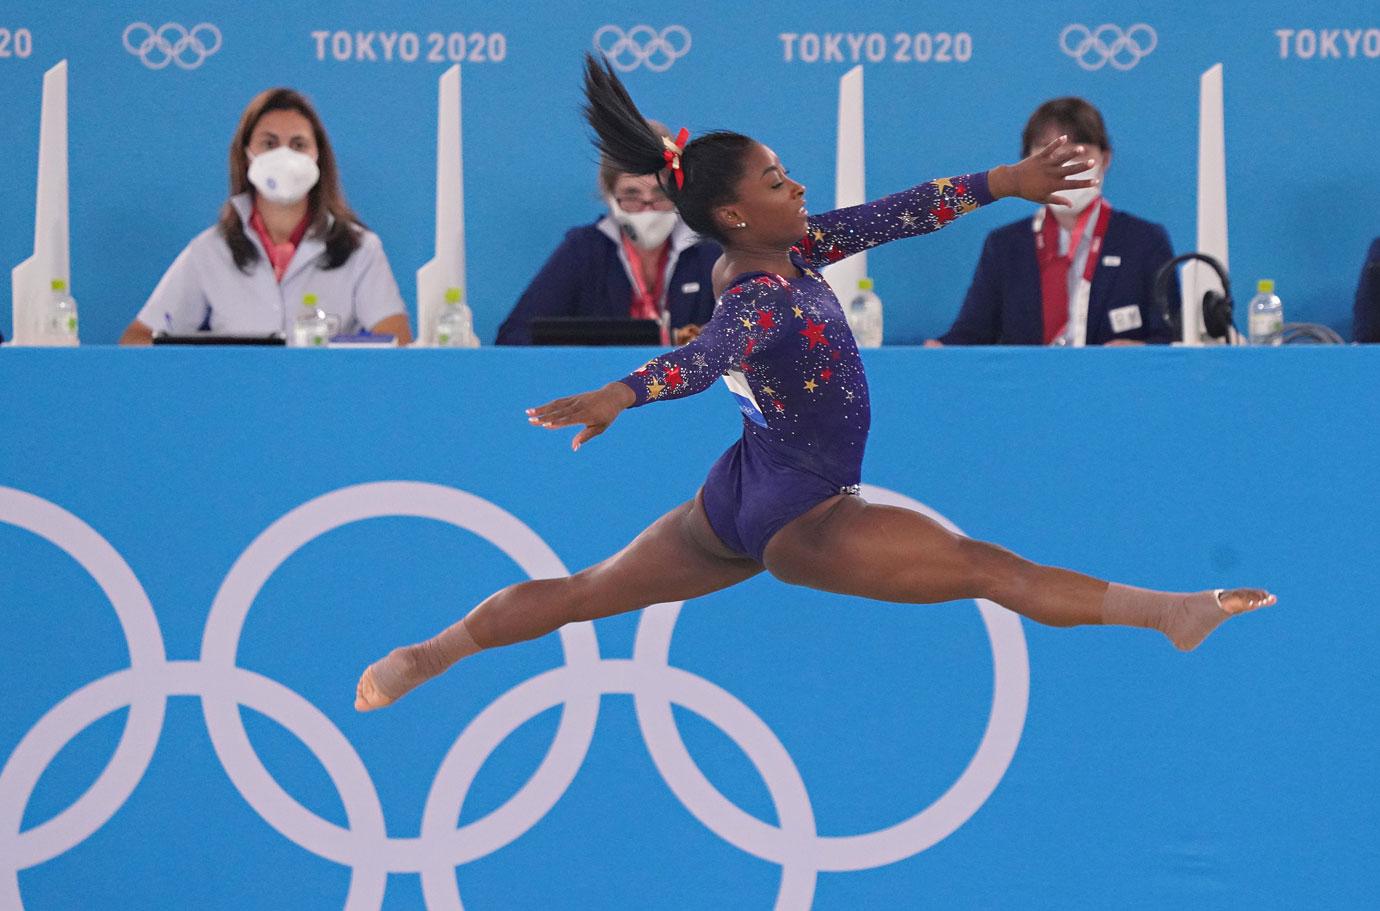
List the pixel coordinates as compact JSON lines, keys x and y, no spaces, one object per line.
{"x":171,"y":42}
{"x":1095,"y":48}
{"x":643,"y":45}
{"x":578,"y":685}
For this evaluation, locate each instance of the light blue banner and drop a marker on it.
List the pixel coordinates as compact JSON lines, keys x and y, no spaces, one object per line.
{"x":948,"y":88}
{"x":200,"y":554}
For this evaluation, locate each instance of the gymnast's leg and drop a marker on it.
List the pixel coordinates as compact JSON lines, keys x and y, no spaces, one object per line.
{"x":849,"y":546}
{"x":678,"y":557}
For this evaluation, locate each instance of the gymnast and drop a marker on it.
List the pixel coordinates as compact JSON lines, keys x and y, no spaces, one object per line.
{"x":784,"y":497}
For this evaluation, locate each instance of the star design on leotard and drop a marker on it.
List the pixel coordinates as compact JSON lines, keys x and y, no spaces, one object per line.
{"x":673,"y":378}
{"x":752,"y":343}
{"x":799,"y":314}
{"x":907,"y":219}
{"x":825,"y":374}
{"x":848,"y":394}
{"x":699,"y":360}
{"x":747,"y":323}
{"x":965,"y":206}
{"x":943,"y":184}
{"x":810,"y":385}
{"x":814,"y":333}
{"x":767,"y":390}
{"x":944,"y":213}
{"x":655,"y":388}
{"x":766,"y":319}
{"x":818,"y":235}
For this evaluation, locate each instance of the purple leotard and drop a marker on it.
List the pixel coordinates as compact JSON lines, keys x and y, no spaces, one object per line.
{"x":784,"y":349}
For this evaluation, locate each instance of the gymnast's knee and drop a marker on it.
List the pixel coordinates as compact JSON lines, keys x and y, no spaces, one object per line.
{"x":991,"y":570}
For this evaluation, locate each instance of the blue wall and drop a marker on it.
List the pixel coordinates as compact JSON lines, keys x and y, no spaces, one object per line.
{"x":1242,"y":775}
{"x":148,"y":146}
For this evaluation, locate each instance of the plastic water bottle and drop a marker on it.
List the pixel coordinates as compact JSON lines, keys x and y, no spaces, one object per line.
{"x":60,"y":316}
{"x":864,"y":315}
{"x":454,"y":326}
{"x":1266,"y":315}
{"x":311,"y":329}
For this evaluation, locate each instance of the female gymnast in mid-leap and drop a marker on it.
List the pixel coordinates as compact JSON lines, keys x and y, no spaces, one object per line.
{"x":784,"y":497}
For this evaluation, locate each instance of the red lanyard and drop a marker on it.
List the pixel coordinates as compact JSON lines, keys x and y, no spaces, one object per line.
{"x":646,"y":302}
{"x":1047,"y":239}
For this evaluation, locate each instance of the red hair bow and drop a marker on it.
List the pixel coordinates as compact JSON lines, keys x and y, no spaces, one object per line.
{"x":672,"y":154}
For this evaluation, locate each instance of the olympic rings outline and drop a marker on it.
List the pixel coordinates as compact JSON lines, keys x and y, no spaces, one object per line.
{"x":576,"y":685}
{"x":1121,"y":42}
{"x":172,"y":51}
{"x":644,"y":45}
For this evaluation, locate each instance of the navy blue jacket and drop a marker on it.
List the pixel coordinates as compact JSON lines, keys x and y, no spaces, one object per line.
{"x":1003,"y":306}
{"x":585,"y":277}
{"x":1366,"y":314}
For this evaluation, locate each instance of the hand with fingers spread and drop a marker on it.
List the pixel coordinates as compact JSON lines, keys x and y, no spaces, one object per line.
{"x":595,"y":410}
{"x":1041,"y":176}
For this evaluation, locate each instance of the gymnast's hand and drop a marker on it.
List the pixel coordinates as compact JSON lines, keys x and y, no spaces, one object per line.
{"x":1040,"y":177}
{"x":596,"y":410}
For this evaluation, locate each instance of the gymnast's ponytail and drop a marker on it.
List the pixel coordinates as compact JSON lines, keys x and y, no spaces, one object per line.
{"x":698,"y":176}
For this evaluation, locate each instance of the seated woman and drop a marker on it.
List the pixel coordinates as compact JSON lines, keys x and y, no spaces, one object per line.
{"x":639,"y":261}
{"x":1366,"y":313}
{"x":1080,"y":274}
{"x":286,"y":232}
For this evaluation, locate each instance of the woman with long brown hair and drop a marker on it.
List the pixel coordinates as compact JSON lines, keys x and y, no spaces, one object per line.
{"x":286,"y":242}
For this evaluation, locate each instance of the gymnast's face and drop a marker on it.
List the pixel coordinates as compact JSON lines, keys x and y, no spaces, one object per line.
{"x":769,"y":203}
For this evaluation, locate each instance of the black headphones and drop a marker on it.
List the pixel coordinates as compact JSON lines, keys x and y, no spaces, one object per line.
{"x":1216,"y":307}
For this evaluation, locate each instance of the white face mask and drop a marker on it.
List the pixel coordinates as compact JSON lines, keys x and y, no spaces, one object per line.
{"x":1082,"y":197}
{"x":283,"y":176}
{"x":648,"y":229}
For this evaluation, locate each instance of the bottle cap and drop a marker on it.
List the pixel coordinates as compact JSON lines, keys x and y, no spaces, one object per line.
{"x":59,"y":284}
{"x":453,"y":295}
{"x":1265,"y":286}
{"x":308,"y":300}
{"x":865,"y":284}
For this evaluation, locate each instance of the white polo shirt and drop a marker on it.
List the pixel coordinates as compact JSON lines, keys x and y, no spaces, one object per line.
{"x":204,"y":290}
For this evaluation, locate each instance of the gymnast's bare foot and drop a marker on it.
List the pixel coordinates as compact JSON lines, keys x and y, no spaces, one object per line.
{"x":369,"y":692}
{"x":1241,"y":600}
{"x":1198,"y":615}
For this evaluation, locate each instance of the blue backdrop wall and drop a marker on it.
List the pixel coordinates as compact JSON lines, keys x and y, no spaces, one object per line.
{"x":949,"y":86}
{"x":155,"y":543}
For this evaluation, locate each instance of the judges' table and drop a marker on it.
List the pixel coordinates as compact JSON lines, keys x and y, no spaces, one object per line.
{"x":201,"y":549}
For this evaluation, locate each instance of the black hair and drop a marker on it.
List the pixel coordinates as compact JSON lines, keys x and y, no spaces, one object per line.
{"x":1073,"y":116}
{"x":712,"y":164}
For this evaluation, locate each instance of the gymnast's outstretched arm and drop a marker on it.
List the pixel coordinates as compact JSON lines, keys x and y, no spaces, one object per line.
{"x":922,"y":209}
{"x":749,"y":314}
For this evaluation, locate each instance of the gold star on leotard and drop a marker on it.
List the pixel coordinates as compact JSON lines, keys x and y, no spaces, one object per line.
{"x":964,"y":206}
{"x":655,"y":388}
{"x":747,"y":323}
{"x":767,"y":390}
{"x":810,"y":385}
{"x":907,"y":219}
{"x":942,"y":184}
{"x":799,"y":314}
{"x":818,"y":235}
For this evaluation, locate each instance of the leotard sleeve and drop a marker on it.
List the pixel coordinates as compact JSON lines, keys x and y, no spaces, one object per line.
{"x":831,"y":236}
{"x":748,"y":316}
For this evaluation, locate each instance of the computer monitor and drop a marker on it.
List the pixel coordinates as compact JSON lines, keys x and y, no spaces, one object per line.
{"x":594,"y":330}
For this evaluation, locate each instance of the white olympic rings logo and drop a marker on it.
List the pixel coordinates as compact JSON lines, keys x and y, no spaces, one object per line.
{"x":577,"y":685}
{"x":1095,"y":48}
{"x":171,"y":43}
{"x":643,"y":45}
